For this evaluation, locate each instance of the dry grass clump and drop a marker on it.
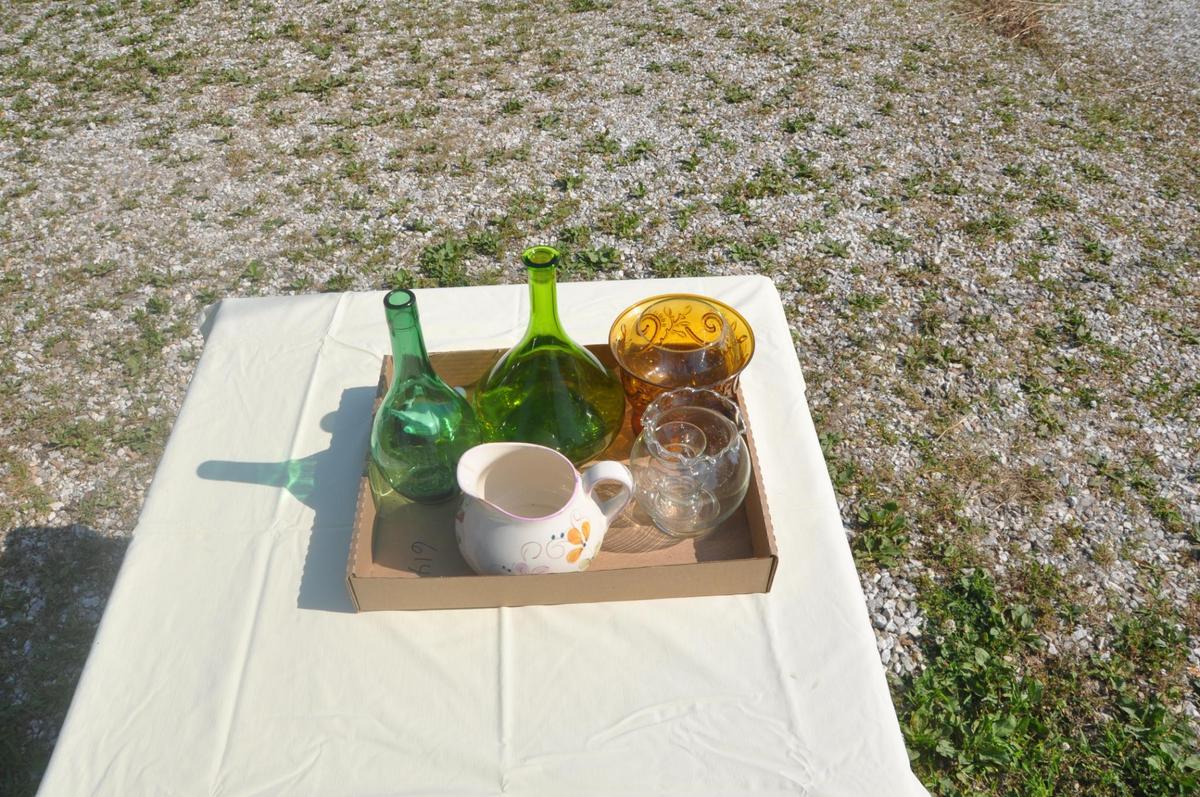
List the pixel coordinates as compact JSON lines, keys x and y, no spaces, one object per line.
{"x":1020,"y":20}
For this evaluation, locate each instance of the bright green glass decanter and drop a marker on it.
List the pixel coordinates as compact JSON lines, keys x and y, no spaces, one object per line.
{"x":423,"y":426}
{"x":547,"y":389}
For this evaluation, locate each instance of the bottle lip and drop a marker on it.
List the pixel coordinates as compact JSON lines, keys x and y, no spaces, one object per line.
{"x":400,"y":299}
{"x":541,"y":257}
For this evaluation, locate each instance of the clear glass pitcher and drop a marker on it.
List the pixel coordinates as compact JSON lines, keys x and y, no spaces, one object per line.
{"x":690,"y":464}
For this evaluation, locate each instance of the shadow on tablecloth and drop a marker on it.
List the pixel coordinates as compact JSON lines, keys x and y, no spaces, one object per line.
{"x":325,"y":481}
{"x":54,"y":583}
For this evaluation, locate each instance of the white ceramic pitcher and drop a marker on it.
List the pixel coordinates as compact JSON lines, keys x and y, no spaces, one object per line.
{"x":526,"y":509}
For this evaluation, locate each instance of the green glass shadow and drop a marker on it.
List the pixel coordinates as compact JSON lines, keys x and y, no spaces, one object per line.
{"x":297,"y":476}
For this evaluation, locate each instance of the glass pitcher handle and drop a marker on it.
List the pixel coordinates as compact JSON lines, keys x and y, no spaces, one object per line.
{"x":736,"y":411}
{"x":609,"y":471}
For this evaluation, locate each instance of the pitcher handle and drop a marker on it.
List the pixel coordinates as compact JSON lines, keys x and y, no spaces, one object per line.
{"x":609,"y":471}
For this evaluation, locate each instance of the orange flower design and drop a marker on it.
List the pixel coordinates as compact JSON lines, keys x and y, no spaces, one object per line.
{"x":578,"y":536}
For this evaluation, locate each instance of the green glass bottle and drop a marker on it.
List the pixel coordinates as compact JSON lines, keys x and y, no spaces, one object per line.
{"x":423,"y":426}
{"x":547,"y":389}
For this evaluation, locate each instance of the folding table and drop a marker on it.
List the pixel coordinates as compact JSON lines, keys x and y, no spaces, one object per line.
{"x":229,"y":661}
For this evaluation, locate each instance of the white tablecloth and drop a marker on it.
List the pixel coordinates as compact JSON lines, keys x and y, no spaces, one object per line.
{"x":228,"y":661}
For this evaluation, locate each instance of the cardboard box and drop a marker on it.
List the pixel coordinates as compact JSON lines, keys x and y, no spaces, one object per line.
{"x":404,"y":556}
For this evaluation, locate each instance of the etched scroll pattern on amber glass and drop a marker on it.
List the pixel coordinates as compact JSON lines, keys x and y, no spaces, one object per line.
{"x":679,"y":340}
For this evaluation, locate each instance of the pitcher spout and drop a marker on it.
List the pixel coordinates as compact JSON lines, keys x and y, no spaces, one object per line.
{"x":472,"y":466}
{"x":521,"y":481}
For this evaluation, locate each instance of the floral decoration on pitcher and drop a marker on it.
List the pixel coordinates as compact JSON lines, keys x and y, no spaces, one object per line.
{"x":578,"y":536}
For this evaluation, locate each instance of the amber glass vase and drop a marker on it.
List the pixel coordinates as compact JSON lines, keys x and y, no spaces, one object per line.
{"x":548,"y":389}
{"x":679,"y":340}
{"x":422,"y":426}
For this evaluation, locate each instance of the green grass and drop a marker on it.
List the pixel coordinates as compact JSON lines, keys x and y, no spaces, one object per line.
{"x":993,"y":713}
{"x":443,"y":263}
{"x":831,"y":248}
{"x":592,"y":262}
{"x":881,"y":539}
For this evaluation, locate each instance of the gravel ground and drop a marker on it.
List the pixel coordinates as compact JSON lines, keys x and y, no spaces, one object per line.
{"x":986,"y":253}
{"x":1154,"y":41}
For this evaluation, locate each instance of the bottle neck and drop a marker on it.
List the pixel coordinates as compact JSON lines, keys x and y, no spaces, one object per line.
{"x":409,"y":357}
{"x":543,"y":302}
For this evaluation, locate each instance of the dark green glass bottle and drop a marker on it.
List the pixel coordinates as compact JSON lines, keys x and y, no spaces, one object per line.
{"x":547,"y":389}
{"x":423,"y":426}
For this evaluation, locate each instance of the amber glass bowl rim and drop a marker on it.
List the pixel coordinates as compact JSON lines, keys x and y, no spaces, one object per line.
{"x":725,"y":309}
